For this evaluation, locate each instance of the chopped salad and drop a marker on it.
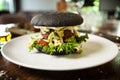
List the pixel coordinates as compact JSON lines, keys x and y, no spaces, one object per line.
{"x":57,"y":40}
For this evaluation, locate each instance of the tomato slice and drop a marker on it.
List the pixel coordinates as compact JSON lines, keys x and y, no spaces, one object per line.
{"x":42,"y":42}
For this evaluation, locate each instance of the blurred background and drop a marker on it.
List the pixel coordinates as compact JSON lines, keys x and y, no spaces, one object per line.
{"x":99,"y":15}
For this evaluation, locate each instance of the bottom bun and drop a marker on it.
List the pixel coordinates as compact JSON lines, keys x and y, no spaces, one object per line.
{"x":55,"y":52}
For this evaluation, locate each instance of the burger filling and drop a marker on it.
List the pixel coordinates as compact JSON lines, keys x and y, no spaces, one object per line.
{"x":58,"y":40}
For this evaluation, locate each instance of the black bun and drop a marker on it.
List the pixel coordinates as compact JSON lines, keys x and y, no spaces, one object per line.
{"x":57,"y":19}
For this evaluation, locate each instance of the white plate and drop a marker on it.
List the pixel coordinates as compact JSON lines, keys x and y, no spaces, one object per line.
{"x":96,"y":51}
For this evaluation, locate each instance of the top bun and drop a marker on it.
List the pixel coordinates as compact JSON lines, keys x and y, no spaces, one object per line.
{"x":57,"y":19}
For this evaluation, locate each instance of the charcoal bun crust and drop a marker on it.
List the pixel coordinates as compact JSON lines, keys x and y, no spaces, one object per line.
{"x":57,"y":19}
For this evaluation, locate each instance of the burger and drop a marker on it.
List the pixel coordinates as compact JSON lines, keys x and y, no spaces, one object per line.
{"x":57,"y":35}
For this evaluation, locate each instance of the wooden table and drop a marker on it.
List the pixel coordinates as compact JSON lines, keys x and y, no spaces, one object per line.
{"x":108,"y":71}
